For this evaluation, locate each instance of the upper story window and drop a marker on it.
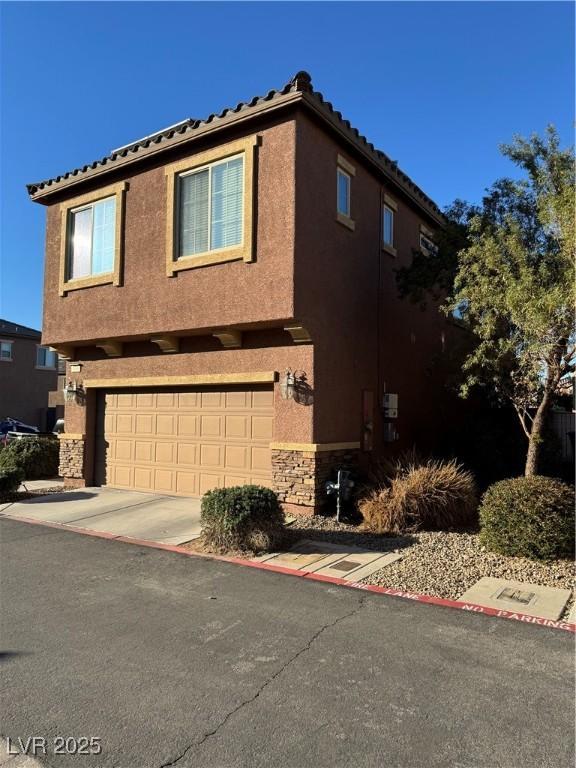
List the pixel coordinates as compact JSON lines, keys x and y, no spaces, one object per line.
{"x":210,"y":207}
{"x":6,"y":351}
{"x":46,"y":358}
{"x":210,"y":201}
{"x":343,"y":192}
{"x":91,"y":239}
{"x":388,"y":226}
{"x":427,"y":244}
{"x":92,"y":236}
{"x":344,"y":173}
{"x":389,"y":210}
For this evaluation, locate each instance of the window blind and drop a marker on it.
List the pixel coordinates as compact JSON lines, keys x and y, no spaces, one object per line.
{"x":211,"y":208}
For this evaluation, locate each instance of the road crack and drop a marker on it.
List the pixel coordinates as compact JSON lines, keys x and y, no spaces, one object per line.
{"x":306,"y":647}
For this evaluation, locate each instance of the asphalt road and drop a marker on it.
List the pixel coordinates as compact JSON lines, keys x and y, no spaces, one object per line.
{"x":180,"y":661}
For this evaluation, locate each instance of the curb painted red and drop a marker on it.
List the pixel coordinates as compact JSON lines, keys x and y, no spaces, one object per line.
{"x":310,"y":576}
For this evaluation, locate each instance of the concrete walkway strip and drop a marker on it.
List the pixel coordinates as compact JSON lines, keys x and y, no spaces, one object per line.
{"x":529,"y":599}
{"x":327,"y":559}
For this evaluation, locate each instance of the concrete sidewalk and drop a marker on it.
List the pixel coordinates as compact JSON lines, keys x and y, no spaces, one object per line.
{"x":165,"y":519}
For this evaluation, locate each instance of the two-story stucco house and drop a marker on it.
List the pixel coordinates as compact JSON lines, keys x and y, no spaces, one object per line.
{"x":28,"y":372}
{"x":187,"y":272}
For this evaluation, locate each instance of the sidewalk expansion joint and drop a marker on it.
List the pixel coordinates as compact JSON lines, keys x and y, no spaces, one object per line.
{"x":268,"y":682}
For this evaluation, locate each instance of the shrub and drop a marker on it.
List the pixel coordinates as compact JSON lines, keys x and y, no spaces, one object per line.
{"x":37,"y":458}
{"x":529,"y":517}
{"x":245,"y":517}
{"x":414,"y":493}
{"x":10,"y":479}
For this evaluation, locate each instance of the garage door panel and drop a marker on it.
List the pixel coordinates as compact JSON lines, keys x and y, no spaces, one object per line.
{"x":188,"y":425}
{"x":166,"y":424}
{"x":123,"y":476}
{"x":262,"y":427}
{"x":165,"y":480}
{"x":188,"y":399}
{"x":236,"y":457}
{"x":144,"y":478}
{"x":211,"y":455}
{"x":188,"y":453}
{"x":166,"y":400}
{"x":185,"y":443}
{"x":237,"y":400}
{"x":143,"y":450}
{"x":211,"y":426}
{"x":237,"y":427}
{"x":263,"y":399}
{"x":144,"y":424}
{"x":124,"y":450}
{"x":124,"y":424}
{"x":165,"y":453}
{"x":211,"y":400}
{"x":187,"y":483}
{"x":210,"y":481}
{"x":261,"y":459}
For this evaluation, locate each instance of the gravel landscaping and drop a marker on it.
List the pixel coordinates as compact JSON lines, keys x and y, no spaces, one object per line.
{"x":440,"y":563}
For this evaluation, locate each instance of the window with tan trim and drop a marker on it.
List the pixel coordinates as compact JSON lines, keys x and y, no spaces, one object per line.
{"x":46,"y":358}
{"x":345,"y":171}
{"x":389,"y":209}
{"x":91,"y":239}
{"x":209,"y":207}
{"x":6,"y":351}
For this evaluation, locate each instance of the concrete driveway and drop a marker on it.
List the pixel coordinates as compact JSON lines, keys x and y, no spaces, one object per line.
{"x":195,"y":663}
{"x":166,"y":519}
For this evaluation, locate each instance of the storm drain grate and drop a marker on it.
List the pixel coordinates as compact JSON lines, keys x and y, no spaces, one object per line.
{"x":516,"y":595}
{"x":345,"y":565}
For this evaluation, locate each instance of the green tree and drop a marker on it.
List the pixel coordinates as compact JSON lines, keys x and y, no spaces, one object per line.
{"x":513,"y":284}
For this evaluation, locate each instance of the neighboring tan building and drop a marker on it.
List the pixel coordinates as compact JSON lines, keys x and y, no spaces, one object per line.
{"x":188,"y":271}
{"x":28,"y":371}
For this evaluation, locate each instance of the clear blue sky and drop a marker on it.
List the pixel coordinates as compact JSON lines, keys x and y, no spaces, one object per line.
{"x":435,"y":85}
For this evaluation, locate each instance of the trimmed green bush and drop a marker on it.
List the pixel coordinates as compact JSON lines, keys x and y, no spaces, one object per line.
{"x":37,"y":458}
{"x":10,"y":479}
{"x":529,"y":517}
{"x":244,"y":517}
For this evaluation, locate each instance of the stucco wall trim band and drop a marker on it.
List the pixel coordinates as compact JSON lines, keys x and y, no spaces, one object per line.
{"x":260,"y":377}
{"x":314,"y":447}
{"x":71,"y":436}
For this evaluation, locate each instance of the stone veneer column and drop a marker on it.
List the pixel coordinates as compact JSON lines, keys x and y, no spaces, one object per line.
{"x":71,"y":467}
{"x":299,"y":476}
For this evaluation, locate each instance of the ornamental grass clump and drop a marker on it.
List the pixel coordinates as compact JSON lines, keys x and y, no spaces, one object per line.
{"x":245,"y":518}
{"x":414,"y":494}
{"x":529,"y":517}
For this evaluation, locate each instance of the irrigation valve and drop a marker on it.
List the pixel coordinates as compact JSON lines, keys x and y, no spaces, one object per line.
{"x":342,"y":489}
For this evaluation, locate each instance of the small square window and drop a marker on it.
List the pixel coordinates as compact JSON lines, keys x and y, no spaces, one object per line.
{"x":388,"y":226}
{"x":343,"y":192}
{"x":6,"y":350}
{"x":45,"y":357}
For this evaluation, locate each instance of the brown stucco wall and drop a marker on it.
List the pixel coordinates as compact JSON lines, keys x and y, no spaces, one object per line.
{"x":23,"y":387}
{"x":365,"y":336}
{"x":213,"y":296}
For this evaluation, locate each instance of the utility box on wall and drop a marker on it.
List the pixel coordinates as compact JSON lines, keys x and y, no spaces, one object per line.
{"x":390,"y":405}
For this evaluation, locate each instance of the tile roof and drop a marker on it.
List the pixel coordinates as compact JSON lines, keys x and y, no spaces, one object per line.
{"x":299,"y":88}
{"x":8,"y":328}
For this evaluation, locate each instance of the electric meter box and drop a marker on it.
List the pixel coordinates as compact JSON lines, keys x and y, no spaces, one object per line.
{"x":390,"y":405}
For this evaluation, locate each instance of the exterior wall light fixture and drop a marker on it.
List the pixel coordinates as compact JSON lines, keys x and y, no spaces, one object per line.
{"x":74,"y":392}
{"x":292,"y":384}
